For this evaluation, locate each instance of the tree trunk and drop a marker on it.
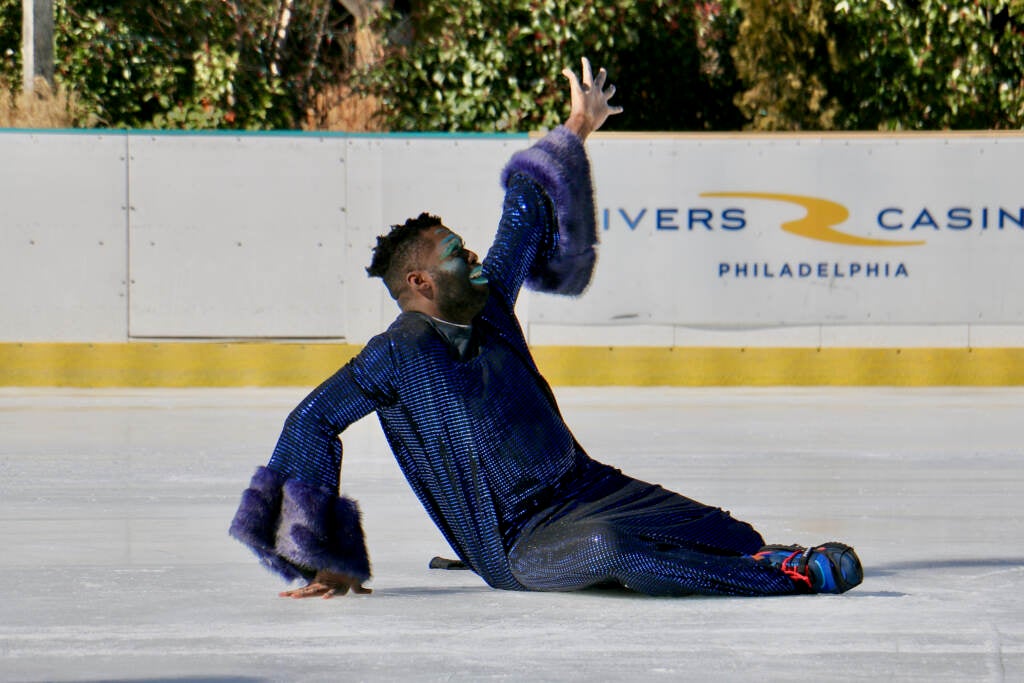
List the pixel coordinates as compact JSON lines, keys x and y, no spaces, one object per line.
{"x":367,"y":40}
{"x":284,"y":17}
{"x":36,"y":42}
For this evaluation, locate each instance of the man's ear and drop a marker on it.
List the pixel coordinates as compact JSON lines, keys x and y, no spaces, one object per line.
{"x":420,"y":282}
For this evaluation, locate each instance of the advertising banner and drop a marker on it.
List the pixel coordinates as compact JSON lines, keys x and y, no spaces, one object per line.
{"x":797,"y":230}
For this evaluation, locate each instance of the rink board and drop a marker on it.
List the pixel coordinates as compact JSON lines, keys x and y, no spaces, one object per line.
{"x":817,"y":256}
{"x":118,"y":236}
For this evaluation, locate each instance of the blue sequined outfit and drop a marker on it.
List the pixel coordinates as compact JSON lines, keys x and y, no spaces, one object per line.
{"x":483,"y":445}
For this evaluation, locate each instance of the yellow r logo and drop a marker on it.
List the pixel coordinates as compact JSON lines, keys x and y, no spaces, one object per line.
{"x":817,"y":224}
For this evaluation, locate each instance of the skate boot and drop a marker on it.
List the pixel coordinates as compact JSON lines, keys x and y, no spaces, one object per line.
{"x":827,"y":568}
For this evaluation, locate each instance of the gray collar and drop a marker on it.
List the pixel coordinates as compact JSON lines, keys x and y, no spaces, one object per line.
{"x":459,"y":337}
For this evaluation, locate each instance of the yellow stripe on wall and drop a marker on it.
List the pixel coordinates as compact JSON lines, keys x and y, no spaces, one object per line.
{"x":707,"y":366}
{"x":172,"y":364}
{"x":264,"y":364}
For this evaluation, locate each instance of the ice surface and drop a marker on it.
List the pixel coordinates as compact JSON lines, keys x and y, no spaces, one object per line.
{"x":116,"y":563}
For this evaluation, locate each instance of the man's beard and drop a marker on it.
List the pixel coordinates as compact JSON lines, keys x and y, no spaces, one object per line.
{"x":458,"y":300}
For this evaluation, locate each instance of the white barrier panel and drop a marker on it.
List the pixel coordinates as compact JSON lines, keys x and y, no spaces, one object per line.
{"x":62,"y":237}
{"x":796,"y":230}
{"x":237,"y":236}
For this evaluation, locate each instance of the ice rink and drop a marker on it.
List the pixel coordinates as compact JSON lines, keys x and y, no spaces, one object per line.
{"x":116,"y":563}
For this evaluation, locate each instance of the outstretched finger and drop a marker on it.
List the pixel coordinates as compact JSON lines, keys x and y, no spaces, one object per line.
{"x":588,"y":75}
{"x":571,"y":75}
{"x":356,"y":588}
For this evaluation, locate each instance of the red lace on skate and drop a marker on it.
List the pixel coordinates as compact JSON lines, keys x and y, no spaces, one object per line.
{"x":793,"y":572}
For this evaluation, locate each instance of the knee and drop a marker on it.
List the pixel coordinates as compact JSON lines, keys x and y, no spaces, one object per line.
{"x":566,"y":550}
{"x":603,"y":541}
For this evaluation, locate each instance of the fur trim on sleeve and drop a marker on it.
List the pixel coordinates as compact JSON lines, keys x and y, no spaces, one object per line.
{"x":295,"y":528}
{"x":320,"y":530}
{"x":559,"y":164}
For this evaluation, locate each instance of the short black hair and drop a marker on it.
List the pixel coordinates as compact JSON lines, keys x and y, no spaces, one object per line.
{"x":396,"y":250}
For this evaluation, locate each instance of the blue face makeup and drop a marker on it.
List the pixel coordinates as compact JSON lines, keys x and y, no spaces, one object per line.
{"x":451,"y":247}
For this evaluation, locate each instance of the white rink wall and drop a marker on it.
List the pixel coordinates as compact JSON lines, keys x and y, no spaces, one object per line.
{"x":707,"y":240}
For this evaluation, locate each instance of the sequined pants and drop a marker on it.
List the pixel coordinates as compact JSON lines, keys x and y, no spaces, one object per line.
{"x":612,"y":529}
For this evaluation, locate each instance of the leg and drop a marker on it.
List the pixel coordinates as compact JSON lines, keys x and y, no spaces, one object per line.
{"x":645,"y":538}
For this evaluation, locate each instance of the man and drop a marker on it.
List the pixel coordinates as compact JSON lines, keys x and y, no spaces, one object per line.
{"x":477,"y":432}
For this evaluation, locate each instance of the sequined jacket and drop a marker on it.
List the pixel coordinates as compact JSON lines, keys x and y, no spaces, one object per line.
{"x":480,"y":440}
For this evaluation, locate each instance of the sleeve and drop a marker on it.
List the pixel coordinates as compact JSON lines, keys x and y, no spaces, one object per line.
{"x":547,"y":237}
{"x":292,"y":516}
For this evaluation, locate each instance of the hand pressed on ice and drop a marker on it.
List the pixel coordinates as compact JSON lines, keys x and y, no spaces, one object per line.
{"x":590,"y":106}
{"x":326,"y":585}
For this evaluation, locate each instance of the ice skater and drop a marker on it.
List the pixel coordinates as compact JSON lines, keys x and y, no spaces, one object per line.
{"x":477,"y":432}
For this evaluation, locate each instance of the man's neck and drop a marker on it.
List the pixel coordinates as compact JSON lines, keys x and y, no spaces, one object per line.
{"x":464,"y":326}
{"x":429,"y":309}
{"x":458,"y":336}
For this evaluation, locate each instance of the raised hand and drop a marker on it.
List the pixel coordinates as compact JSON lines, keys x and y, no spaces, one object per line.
{"x":590,"y":106}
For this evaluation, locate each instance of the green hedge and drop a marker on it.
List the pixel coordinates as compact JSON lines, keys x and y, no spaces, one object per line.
{"x":477,"y":65}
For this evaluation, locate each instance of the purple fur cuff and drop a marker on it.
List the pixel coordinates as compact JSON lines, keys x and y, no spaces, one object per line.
{"x":319,"y":530}
{"x":295,"y":528}
{"x":558,"y":163}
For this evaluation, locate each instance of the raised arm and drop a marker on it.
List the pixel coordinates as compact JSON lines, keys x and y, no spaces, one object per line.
{"x":547,"y":235}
